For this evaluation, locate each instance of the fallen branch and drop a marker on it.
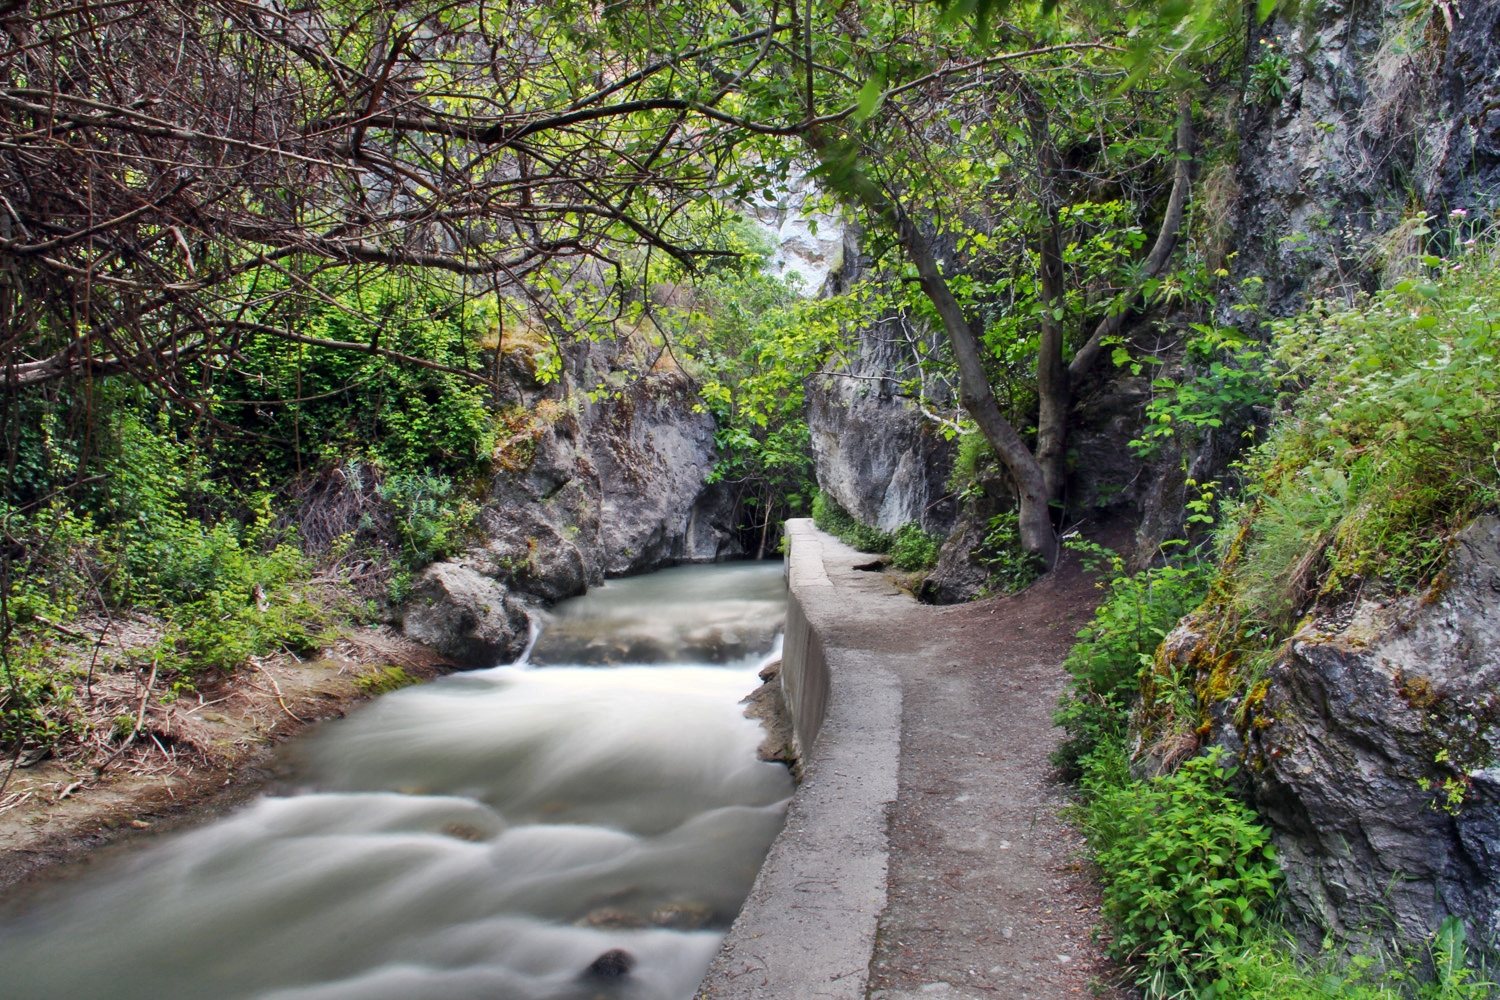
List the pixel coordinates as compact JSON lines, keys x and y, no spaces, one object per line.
{"x":277,"y":687}
{"x":140,"y":719}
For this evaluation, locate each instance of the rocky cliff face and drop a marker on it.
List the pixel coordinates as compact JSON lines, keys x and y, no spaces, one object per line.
{"x":875,"y":453}
{"x":1372,"y":756}
{"x":587,"y":490}
{"x":1386,"y":114}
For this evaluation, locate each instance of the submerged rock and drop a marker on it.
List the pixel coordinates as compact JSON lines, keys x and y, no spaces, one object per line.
{"x":1373,"y":757}
{"x":611,"y":965}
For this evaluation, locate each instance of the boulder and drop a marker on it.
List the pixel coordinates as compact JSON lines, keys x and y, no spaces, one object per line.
{"x":1373,"y":757}
{"x":466,"y":616}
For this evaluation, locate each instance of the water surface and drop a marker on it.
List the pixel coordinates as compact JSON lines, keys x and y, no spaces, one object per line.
{"x":489,"y":835}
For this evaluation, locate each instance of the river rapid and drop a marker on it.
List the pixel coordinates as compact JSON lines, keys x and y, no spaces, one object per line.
{"x":585,"y":824}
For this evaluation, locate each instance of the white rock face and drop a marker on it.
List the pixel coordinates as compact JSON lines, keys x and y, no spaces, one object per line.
{"x":809,"y":244}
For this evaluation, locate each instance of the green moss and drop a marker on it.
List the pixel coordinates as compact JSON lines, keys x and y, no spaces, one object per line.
{"x":383,"y":680}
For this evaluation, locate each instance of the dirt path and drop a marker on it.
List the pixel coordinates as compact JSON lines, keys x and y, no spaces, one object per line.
{"x":987,"y":894}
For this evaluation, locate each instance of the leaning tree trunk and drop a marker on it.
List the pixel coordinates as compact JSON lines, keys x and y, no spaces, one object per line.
{"x":1055,"y":379}
{"x":1034,"y":520}
{"x":1161,"y":251}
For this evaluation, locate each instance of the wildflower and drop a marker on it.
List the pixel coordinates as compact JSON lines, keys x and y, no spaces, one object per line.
{"x":1471,"y":241}
{"x":1458,"y":213}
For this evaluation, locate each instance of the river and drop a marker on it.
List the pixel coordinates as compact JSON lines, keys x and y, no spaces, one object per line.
{"x":582,"y":824}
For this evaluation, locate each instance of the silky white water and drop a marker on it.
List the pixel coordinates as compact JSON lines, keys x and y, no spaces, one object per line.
{"x":488,"y":835}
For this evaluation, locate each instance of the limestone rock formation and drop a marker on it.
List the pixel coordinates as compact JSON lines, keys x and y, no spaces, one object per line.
{"x":875,"y":453}
{"x":602,"y":488}
{"x":1381,"y":110}
{"x":1375,"y":759}
{"x":466,"y":616}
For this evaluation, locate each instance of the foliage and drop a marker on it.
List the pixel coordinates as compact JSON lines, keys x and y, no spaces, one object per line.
{"x":1104,"y":666}
{"x":321,"y":405}
{"x":1188,"y":871}
{"x":838,"y":522}
{"x":1386,"y":443}
{"x":429,"y":521}
{"x":1391,"y":441}
{"x":914,"y":550}
{"x":1185,"y":866}
{"x":1011,"y":568}
{"x":1268,"y":74}
{"x":230,"y":159}
{"x":1227,"y":378}
{"x":751,"y":340}
{"x":126,"y":502}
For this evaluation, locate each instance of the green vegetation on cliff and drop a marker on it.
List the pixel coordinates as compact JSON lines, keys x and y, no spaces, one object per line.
{"x":1385,"y":444}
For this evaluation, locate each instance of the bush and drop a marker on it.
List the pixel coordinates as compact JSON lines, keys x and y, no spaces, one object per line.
{"x":914,"y":550}
{"x":1011,"y":568}
{"x":1104,"y":666}
{"x":838,"y":522}
{"x":1186,"y":867}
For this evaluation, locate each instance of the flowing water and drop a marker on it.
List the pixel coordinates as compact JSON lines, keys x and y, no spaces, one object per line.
{"x":521,"y":832}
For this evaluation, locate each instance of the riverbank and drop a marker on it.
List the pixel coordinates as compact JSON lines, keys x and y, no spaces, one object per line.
{"x":195,"y":755}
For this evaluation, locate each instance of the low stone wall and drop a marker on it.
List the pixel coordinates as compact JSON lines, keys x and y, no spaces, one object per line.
{"x":808,"y":927}
{"x":804,"y":665}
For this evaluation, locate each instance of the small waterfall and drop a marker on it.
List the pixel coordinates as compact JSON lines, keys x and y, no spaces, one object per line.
{"x":546,"y":830}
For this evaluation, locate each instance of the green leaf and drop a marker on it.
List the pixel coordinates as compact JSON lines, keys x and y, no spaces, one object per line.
{"x":869,"y":98}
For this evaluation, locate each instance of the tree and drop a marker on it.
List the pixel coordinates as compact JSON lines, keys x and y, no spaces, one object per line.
{"x":169,"y":168}
{"x":937,"y":134}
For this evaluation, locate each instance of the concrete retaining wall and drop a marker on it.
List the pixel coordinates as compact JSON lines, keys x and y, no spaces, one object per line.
{"x":808,"y":927}
{"x":804,"y":665}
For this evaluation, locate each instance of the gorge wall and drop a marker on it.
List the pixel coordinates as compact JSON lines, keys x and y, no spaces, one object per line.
{"x":1374,"y":758}
{"x":588,"y":485}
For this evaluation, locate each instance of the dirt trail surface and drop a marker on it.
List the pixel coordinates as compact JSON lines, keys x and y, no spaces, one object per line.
{"x":924,"y":854}
{"x":987,"y":894}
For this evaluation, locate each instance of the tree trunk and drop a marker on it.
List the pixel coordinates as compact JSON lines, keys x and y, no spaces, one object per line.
{"x":1161,"y":251}
{"x":1053,"y":396}
{"x":1034,"y":519}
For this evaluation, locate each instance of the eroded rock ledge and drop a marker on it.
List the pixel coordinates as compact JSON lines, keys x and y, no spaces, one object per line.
{"x":1374,"y":760}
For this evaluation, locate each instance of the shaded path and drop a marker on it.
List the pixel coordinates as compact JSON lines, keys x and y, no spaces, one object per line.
{"x":986,"y":897}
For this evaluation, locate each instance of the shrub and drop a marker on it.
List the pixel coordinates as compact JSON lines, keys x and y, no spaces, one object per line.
{"x":1104,"y":666}
{"x":1011,"y":568}
{"x":914,"y":550}
{"x":838,"y":522}
{"x":1186,"y":867}
{"x":430,"y":521}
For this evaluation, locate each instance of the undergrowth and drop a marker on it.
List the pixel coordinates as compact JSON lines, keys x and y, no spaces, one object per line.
{"x":124,"y":507}
{"x":1189,"y":874}
{"x":911,"y":549}
{"x":1387,"y":442}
